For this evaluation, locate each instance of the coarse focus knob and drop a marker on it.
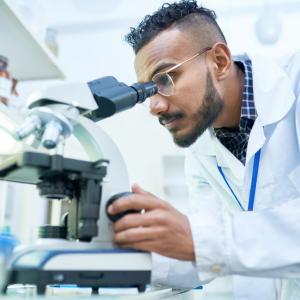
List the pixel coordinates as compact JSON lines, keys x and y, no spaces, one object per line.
{"x":118,"y":216}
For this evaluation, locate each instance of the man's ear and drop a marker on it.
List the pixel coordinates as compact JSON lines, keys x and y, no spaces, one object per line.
{"x":221,"y":56}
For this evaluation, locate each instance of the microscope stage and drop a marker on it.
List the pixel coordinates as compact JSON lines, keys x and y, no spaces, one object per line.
{"x":30,"y":167}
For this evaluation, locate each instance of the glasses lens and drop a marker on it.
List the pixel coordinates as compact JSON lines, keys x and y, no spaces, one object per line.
{"x":165,"y":84}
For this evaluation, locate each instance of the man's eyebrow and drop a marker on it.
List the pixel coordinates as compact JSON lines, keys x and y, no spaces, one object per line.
{"x":161,"y":67}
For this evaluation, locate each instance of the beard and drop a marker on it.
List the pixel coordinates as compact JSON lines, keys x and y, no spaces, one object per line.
{"x":203,"y":118}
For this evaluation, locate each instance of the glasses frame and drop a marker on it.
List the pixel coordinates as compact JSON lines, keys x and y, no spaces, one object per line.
{"x":202,"y":51}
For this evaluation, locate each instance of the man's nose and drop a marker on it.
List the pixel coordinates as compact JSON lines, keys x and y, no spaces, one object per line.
{"x":158,"y":104}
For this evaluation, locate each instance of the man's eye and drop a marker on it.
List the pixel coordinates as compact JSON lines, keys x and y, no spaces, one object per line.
{"x":172,"y":75}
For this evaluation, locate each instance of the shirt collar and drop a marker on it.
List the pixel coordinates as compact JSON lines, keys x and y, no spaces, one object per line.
{"x":248,"y":106}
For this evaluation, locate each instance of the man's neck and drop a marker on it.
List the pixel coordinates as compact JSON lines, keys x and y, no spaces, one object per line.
{"x":233,"y":96}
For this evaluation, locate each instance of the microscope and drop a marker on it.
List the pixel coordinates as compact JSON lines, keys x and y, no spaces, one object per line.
{"x":80,"y":251}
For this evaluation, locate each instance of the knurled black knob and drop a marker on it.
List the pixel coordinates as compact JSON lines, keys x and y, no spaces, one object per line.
{"x":51,"y":231}
{"x":118,"y":216}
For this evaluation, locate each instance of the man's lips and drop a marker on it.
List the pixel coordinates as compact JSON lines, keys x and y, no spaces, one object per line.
{"x":173,"y":124}
{"x":168,"y":119}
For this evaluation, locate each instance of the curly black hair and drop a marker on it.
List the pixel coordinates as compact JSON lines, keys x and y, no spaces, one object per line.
{"x":183,"y":13}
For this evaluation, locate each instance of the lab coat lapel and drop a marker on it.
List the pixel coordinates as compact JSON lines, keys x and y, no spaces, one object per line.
{"x":209,"y":145}
{"x":217,"y":155}
{"x":273,"y":97}
{"x":256,"y":140}
{"x":229,"y":163}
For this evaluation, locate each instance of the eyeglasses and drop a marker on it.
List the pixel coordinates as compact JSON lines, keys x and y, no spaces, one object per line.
{"x":164,"y":81}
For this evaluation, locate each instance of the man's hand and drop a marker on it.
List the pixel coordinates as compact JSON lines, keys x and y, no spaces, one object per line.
{"x":159,"y":228}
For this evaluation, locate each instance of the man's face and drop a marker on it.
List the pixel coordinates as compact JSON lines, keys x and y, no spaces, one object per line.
{"x":196,"y":103}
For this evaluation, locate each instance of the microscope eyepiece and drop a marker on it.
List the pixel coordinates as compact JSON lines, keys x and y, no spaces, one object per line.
{"x":144,"y":90}
{"x":113,"y":96}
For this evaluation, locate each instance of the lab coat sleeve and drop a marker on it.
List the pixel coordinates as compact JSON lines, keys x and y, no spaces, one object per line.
{"x":207,"y":219}
{"x":173,"y":273}
{"x":256,"y":243}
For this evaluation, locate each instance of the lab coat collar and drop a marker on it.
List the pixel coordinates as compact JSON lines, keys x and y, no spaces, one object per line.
{"x":226,"y":160}
{"x":204,"y":144}
{"x":256,"y":140}
{"x":273,"y":98}
{"x":209,"y":144}
{"x":273,"y":91}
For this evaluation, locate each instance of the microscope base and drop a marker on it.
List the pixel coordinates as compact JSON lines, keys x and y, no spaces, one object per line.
{"x":93,"y":279}
{"x":83,"y":267}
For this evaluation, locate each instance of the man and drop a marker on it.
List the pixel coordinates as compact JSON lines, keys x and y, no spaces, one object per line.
{"x":239,"y":119}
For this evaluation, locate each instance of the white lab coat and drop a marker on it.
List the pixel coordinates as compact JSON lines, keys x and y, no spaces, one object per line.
{"x":265,"y":242}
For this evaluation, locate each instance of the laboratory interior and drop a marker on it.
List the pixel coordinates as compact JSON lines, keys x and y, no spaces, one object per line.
{"x":76,"y":133}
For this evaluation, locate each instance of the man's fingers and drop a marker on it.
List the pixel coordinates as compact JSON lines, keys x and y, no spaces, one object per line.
{"x":138,"y":220}
{"x":136,"y":234}
{"x":131,"y":221}
{"x":134,"y":202}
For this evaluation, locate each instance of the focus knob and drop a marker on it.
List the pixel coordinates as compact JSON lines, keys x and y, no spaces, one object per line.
{"x":118,"y":216}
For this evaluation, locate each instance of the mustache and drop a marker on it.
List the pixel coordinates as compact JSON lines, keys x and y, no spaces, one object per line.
{"x":166,"y":118}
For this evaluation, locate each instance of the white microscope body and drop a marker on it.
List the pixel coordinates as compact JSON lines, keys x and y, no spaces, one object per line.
{"x":81,"y":251}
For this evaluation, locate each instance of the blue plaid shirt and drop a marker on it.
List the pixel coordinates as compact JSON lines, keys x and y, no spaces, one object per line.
{"x":236,"y":139}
